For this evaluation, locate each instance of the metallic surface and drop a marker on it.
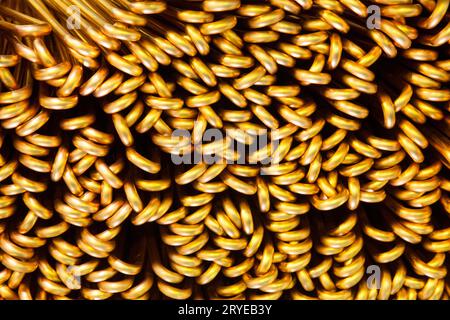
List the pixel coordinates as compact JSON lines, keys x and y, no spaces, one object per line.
{"x":92,"y":207}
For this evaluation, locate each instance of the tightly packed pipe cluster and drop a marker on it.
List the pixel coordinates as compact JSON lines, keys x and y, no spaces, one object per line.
{"x":92,"y":205}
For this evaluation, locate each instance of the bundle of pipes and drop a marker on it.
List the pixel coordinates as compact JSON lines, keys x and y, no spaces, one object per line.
{"x":353,"y":96}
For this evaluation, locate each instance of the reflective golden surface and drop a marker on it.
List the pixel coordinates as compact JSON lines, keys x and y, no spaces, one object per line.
{"x":93,"y":207}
